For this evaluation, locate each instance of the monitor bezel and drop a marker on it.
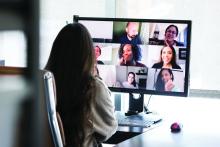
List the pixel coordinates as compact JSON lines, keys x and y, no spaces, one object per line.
{"x":185,"y":93}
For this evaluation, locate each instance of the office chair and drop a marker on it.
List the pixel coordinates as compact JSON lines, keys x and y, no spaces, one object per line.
{"x":53,"y":117}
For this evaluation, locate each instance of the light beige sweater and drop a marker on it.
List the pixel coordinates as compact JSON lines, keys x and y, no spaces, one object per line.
{"x":104,"y":123}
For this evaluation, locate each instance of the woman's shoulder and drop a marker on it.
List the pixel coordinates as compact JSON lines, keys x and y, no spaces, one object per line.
{"x":179,"y":43}
{"x":176,"y":66}
{"x":157,"y":65}
{"x":100,"y":84}
{"x":140,"y":64}
{"x":98,"y":80}
{"x":125,"y":84}
{"x":100,"y":62}
{"x":175,"y":89}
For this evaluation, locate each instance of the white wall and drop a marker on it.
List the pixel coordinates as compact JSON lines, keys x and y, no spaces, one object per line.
{"x":13,"y":47}
{"x":205,"y":46}
{"x":55,"y":14}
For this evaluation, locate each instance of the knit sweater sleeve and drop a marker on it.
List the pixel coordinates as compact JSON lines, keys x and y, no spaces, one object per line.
{"x":104,"y":120}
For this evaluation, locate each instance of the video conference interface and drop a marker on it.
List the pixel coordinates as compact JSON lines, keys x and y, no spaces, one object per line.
{"x":141,"y":55}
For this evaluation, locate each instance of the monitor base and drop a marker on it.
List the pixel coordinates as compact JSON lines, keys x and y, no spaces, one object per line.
{"x":129,"y":113}
{"x":136,"y":103}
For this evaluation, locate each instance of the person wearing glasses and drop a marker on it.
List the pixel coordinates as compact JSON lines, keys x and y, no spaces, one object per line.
{"x":170,"y":36}
{"x":171,"y":33}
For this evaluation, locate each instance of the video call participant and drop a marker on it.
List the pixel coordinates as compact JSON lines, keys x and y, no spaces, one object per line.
{"x":131,"y":36}
{"x":128,"y":56}
{"x":98,"y":52}
{"x":131,"y":82}
{"x":155,"y":40}
{"x":165,"y":80}
{"x":83,"y":100}
{"x":167,"y":58}
{"x":171,"y":33}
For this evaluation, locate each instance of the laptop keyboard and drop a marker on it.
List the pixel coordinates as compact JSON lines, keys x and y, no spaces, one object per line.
{"x":135,"y":123}
{"x":144,"y":120}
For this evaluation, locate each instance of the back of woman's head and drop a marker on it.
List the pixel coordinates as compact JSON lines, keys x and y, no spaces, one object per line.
{"x":72,"y":61}
{"x":72,"y":49}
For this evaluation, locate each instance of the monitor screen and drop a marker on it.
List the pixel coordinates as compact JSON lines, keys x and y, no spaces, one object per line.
{"x":147,"y":56}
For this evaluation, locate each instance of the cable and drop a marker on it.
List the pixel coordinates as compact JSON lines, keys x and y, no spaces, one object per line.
{"x":146,"y":106}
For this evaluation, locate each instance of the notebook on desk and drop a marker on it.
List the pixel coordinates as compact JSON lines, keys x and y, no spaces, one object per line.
{"x":138,"y":120}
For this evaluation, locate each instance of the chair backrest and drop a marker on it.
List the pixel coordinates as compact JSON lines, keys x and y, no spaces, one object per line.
{"x":54,"y":118}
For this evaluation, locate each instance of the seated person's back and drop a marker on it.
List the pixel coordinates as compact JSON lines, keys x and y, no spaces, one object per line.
{"x":83,"y":100}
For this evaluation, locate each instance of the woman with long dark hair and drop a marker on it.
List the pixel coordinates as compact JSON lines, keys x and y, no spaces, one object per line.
{"x":165,"y":80}
{"x":167,"y":58}
{"x":83,"y":100}
{"x":131,"y":82}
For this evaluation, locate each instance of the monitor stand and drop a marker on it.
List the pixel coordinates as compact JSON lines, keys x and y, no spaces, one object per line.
{"x":146,"y":110}
{"x":136,"y":104}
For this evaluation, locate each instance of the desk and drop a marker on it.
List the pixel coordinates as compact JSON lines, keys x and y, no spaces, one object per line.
{"x":200,"y":120}
{"x":126,"y":132}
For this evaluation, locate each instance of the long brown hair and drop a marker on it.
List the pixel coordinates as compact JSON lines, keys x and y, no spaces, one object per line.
{"x":173,"y":60}
{"x":72,"y":62}
{"x":160,"y":85}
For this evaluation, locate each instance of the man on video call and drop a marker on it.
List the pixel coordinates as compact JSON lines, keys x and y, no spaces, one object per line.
{"x":131,"y":34}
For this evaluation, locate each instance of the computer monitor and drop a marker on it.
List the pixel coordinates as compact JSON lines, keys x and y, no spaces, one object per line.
{"x":145,"y":56}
